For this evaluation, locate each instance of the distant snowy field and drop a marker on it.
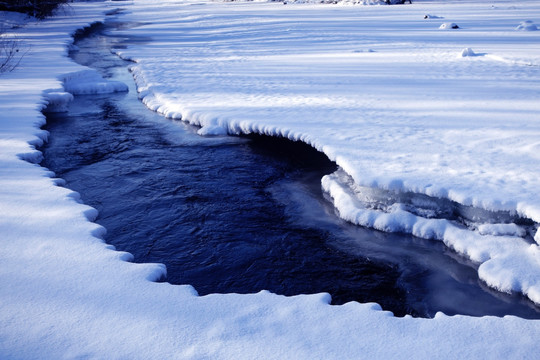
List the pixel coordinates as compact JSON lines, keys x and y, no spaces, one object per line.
{"x":414,"y":112}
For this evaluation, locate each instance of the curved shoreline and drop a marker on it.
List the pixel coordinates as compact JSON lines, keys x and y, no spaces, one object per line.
{"x":504,"y":272}
{"x":217,"y":116}
{"x":110,"y":133}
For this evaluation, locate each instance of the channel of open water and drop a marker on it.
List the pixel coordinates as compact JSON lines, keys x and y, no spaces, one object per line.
{"x":241,"y":214}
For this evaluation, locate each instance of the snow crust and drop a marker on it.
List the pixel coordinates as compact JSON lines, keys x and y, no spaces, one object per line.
{"x":391,"y":118}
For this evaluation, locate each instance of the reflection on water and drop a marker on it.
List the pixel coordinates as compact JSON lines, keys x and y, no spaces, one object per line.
{"x":242,"y":214}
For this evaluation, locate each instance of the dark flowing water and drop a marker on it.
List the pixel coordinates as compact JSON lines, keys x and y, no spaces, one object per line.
{"x":241,"y":214}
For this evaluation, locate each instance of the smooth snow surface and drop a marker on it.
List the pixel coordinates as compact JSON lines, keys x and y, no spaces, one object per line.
{"x":408,"y":117}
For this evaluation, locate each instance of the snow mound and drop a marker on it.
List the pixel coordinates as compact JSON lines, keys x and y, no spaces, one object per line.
{"x":501,"y":229}
{"x":448,"y":26}
{"x":57,"y":101}
{"x":468,"y":52}
{"x":212,"y":130}
{"x":527,"y":25}
{"x":429,"y":16}
{"x":87,"y":82}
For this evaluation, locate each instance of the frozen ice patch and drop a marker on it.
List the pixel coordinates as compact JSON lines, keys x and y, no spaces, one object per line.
{"x":431,"y":207}
{"x":57,"y":101}
{"x":212,"y":130}
{"x":499,"y":248}
{"x":87,"y":82}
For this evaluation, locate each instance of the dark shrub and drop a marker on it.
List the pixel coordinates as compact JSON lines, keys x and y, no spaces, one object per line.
{"x":37,"y":8}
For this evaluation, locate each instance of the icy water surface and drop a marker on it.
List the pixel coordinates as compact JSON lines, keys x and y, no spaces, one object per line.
{"x":242,"y":214}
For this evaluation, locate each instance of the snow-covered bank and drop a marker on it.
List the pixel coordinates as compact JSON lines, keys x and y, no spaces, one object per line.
{"x":65,"y":294}
{"x":400,"y":101}
{"x":508,"y":263}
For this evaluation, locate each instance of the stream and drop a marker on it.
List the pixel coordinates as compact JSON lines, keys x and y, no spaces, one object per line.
{"x":241,"y":214}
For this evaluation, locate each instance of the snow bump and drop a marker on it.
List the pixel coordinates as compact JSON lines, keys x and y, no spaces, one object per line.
{"x":448,"y":26}
{"x":527,"y":25}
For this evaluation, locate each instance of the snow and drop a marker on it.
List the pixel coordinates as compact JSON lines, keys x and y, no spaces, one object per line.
{"x":429,"y":16}
{"x":501,"y":229}
{"x":407,"y":117}
{"x":448,"y":26}
{"x":527,"y":25}
{"x":57,"y":101}
{"x":499,"y":244}
{"x":86,"y":82}
{"x":468,"y":52}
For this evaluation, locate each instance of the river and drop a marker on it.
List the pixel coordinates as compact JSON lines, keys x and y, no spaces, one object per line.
{"x":241,"y":214}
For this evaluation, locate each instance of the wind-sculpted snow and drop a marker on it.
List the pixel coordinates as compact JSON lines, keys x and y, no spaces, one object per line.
{"x":397,"y":103}
{"x":409,"y":115}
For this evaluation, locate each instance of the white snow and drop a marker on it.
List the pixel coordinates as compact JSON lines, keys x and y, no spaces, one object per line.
{"x":501,"y":229}
{"x":87,"y":82}
{"x":429,"y":16}
{"x":468,"y":52}
{"x":527,"y":25}
{"x":407,"y":117}
{"x":493,"y":243}
{"x":57,"y":101}
{"x":448,"y":26}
